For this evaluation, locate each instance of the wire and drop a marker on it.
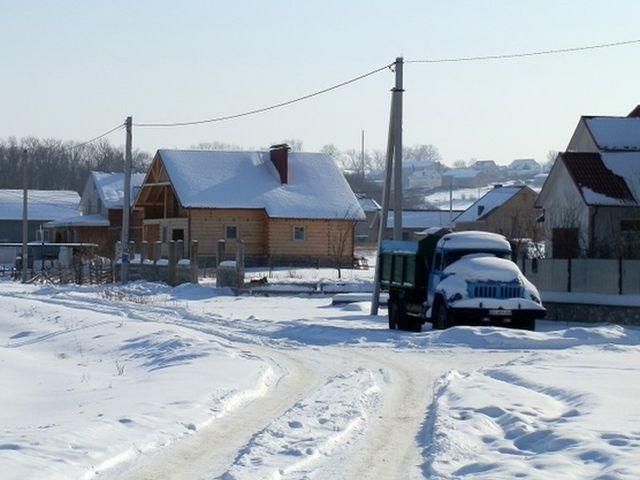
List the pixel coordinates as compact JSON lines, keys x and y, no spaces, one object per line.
{"x":270,"y":107}
{"x":525,"y":54}
{"x":99,"y":136}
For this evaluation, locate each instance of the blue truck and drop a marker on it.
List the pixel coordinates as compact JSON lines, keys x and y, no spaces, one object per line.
{"x":456,"y":278}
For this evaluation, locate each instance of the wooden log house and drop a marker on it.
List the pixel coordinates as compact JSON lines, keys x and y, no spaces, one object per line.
{"x":286,"y":207}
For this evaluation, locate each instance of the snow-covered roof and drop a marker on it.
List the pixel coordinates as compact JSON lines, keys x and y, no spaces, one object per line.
{"x":42,"y":204}
{"x":524,"y":164}
{"x":605,"y":179}
{"x":110,"y":187}
{"x":316,"y":188}
{"x":473,"y":240}
{"x":424,"y":218}
{"x":615,"y":133}
{"x":462,"y":172}
{"x":491,"y":200}
{"x":368,"y":204}
{"x":79,"y":221}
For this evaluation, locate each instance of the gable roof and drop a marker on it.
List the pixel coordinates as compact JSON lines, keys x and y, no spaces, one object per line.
{"x":368,"y":204}
{"x":316,"y":188}
{"x":424,"y":218}
{"x":615,"y":133}
{"x":607,"y":179}
{"x":110,"y":187}
{"x":42,"y":204}
{"x":490,"y":201}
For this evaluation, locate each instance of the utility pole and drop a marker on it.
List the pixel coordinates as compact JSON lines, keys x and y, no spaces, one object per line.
{"x":25,"y":216}
{"x":362,"y":158}
{"x":393,"y":168}
{"x":397,"y":150}
{"x":126,"y":205}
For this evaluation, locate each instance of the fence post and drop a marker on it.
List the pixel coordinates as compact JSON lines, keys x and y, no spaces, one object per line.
{"x":240,"y":263}
{"x":179,"y":249}
{"x":220,"y":256}
{"x":569,"y":275}
{"x":194,"y":261}
{"x":620,"y":272}
{"x":172,"y":263}
{"x":144,"y":251}
{"x":157,"y":251}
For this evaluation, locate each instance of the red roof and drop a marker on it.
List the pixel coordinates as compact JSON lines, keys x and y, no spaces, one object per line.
{"x":588,"y":170}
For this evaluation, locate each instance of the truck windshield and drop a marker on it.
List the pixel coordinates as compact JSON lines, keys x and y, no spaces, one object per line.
{"x":455,"y":255}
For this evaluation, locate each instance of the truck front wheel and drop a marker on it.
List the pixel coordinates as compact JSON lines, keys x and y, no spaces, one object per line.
{"x":392,"y":307}
{"x":442,"y":317}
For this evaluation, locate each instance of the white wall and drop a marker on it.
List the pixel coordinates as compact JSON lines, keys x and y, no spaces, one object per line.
{"x":563,"y":207}
{"x":581,"y":140}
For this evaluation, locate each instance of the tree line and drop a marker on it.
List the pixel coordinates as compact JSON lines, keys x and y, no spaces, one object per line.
{"x":55,"y":164}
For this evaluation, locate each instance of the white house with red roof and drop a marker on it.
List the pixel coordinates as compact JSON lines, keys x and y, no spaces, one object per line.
{"x":591,"y":198}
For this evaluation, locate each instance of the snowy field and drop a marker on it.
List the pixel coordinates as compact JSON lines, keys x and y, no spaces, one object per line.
{"x":148,"y":381}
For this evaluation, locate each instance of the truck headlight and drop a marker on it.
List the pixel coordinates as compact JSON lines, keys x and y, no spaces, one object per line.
{"x":535,"y":298}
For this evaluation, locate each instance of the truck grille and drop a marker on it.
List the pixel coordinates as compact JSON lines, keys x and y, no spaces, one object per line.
{"x":497,"y":291}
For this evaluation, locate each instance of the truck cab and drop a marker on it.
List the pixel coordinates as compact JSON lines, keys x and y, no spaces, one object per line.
{"x":459,"y":278}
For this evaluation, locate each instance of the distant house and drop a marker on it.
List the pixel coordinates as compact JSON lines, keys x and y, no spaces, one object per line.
{"x":591,"y":198}
{"x":286,"y":207}
{"x":488,"y":167}
{"x":415,"y":221}
{"x":42,"y":207}
{"x":100,"y":219}
{"x":464,"y":178}
{"x":524,"y":168}
{"x":509,"y":211}
{"x":367,"y":229}
{"x":424,"y":175}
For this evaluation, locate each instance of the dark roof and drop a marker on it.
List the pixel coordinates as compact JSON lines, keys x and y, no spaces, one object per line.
{"x":588,"y":170}
{"x":635,"y":112}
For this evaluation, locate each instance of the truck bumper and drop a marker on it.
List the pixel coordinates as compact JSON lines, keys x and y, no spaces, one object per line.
{"x":520,"y":318}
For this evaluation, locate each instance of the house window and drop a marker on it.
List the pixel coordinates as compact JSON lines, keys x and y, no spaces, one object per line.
{"x":231,"y":232}
{"x":630,"y":225}
{"x":177,"y":234}
{"x":298,"y":234}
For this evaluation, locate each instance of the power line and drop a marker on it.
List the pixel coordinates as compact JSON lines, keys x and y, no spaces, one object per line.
{"x":270,"y":107}
{"x":99,"y":136}
{"x":524,"y":54}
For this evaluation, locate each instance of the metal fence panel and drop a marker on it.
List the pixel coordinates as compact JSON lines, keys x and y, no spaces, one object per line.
{"x":630,"y":277}
{"x":595,"y":275}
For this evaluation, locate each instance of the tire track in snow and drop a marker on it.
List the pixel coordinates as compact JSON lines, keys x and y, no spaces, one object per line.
{"x":209,"y":452}
{"x":309,"y":433}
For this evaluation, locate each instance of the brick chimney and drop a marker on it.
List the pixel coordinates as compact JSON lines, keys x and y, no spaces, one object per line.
{"x":280,"y":158}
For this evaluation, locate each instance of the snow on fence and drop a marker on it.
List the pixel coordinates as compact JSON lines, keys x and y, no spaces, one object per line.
{"x":584,"y":275}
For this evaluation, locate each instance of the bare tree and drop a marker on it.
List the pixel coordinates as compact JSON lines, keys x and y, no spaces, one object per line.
{"x":216,"y":146}
{"x":341,"y":241}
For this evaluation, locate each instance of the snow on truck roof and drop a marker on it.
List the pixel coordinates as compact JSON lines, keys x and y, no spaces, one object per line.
{"x":473,"y":240}
{"x":316,"y":187}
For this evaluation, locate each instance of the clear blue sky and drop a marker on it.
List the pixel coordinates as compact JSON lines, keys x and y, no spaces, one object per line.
{"x":73,"y":69}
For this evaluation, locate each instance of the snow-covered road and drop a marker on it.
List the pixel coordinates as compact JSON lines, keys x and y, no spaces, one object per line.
{"x":149,"y":382}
